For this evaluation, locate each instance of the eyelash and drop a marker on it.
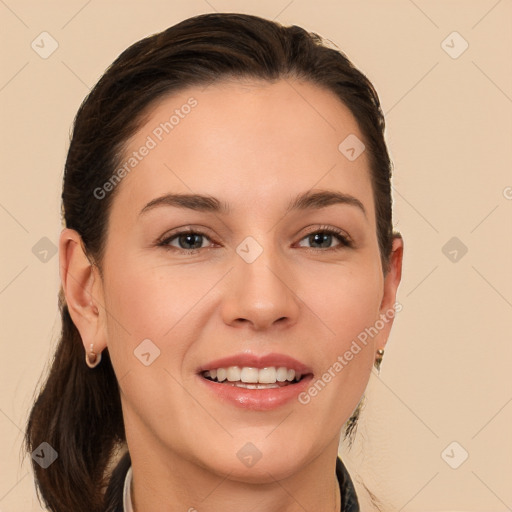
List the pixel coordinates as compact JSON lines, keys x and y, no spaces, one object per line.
{"x":344,"y":240}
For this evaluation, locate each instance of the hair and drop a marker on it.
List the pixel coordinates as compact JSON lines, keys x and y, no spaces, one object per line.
{"x":78,"y":410}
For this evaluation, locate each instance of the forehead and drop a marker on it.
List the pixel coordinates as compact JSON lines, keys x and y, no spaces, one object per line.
{"x":253,"y":144}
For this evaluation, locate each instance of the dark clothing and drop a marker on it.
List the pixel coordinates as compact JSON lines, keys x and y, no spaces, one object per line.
{"x":114,"y":494}
{"x":349,"y":501}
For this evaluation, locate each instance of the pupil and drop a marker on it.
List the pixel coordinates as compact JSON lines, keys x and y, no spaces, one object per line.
{"x":187,"y":240}
{"x":325,"y":235}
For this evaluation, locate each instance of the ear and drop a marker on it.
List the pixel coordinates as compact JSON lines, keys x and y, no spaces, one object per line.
{"x":82,"y":287}
{"x":389,"y":306}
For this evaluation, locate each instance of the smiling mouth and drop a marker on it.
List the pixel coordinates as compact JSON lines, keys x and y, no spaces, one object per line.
{"x":254,"y":378}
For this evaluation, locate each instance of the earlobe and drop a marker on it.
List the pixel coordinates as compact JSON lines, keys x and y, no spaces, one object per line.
{"x":81,"y":285}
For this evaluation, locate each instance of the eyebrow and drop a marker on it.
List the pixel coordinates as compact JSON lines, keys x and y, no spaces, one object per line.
{"x":304,"y":201}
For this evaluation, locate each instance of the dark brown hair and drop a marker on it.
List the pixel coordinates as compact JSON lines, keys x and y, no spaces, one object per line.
{"x":78,"y":410}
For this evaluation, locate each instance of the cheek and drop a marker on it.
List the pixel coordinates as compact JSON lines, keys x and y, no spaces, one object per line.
{"x":346,"y":304}
{"x":162,"y":303}
{"x":137,"y":303}
{"x":344,"y":300}
{"x":150,"y":301}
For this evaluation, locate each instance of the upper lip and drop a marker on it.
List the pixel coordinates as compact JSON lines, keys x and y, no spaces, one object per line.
{"x":257,"y":361}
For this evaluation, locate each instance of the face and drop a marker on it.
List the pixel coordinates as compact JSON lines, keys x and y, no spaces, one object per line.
{"x":261,"y":279}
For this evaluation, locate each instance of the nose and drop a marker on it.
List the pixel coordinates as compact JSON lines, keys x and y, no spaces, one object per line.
{"x":260,"y":293}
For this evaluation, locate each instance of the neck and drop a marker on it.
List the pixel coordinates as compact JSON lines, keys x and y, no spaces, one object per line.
{"x":171,"y":484}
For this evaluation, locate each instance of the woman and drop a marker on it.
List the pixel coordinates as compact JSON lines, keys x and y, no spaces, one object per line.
{"x":229,"y":275}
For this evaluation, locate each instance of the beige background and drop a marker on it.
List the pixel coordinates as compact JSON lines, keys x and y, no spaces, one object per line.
{"x":446,"y":372}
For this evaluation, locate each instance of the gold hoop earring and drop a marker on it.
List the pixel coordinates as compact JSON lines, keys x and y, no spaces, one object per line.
{"x":378,"y":359}
{"x":91,"y":358}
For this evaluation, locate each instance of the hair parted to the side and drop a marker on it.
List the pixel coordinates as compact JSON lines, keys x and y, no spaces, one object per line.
{"x":78,"y":409}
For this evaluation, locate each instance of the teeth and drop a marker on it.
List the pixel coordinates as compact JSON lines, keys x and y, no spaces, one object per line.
{"x":249,"y":377}
{"x":233,"y":373}
{"x":267,"y":375}
{"x":282,"y":374}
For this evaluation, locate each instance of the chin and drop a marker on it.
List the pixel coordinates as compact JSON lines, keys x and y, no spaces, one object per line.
{"x":263,"y":471}
{"x":257,"y":462}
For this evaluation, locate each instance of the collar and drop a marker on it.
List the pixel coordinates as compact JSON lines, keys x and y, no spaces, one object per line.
{"x":349,"y":502}
{"x":127,"y":495}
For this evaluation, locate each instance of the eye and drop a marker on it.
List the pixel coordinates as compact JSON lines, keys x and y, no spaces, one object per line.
{"x":189,"y":241}
{"x":324,"y":237}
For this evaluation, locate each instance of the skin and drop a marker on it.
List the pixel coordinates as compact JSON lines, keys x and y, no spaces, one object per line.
{"x":254,"y":145}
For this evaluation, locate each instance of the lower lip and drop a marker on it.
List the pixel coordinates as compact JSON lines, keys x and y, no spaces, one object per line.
{"x":257,"y":399}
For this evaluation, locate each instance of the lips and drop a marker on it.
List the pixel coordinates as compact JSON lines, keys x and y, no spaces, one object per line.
{"x":255,"y":382}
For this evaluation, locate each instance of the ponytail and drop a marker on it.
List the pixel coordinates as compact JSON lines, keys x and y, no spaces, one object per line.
{"x":78,"y":413}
